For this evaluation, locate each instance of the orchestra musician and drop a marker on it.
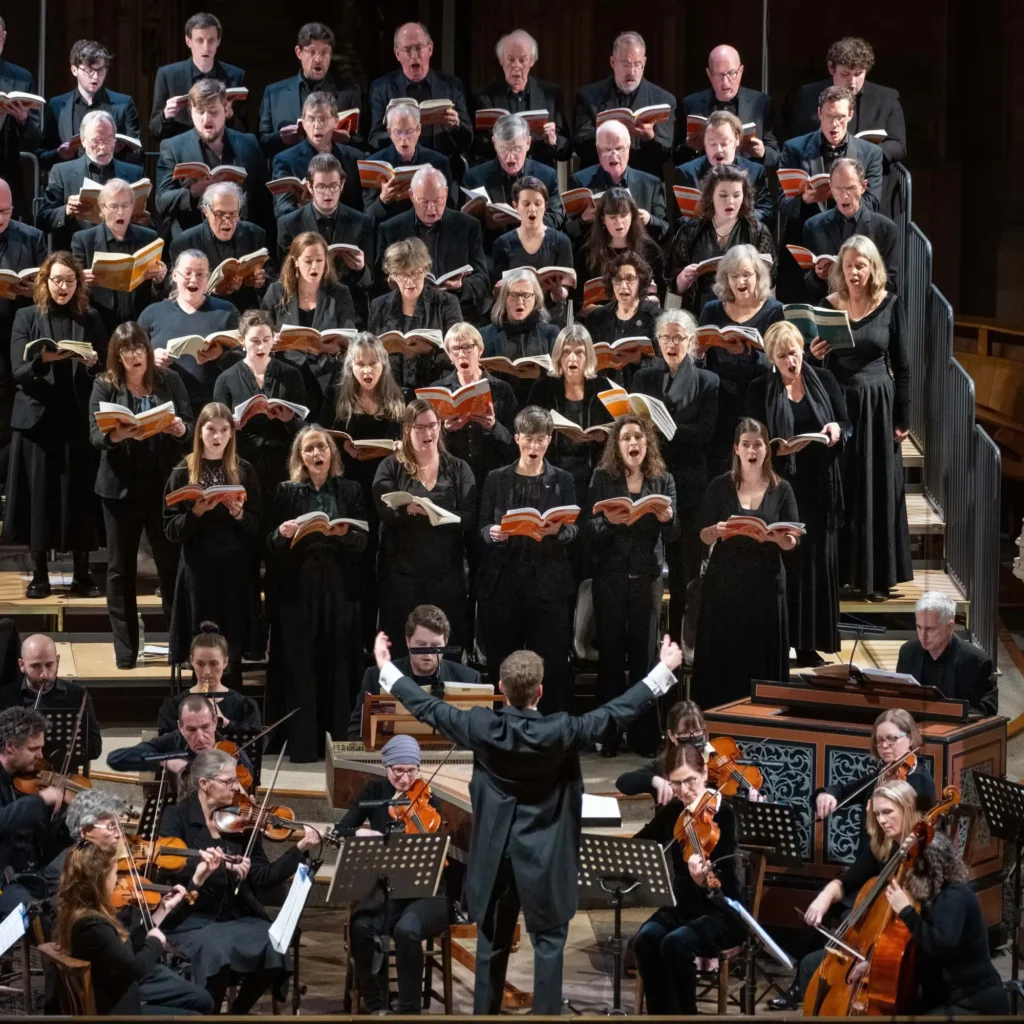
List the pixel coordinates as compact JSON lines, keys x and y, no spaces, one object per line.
{"x":411,"y":921}
{"x":526,"y":793}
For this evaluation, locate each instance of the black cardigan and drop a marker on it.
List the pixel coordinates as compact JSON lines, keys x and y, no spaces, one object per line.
{"x":117,"y":966}
{"x":282,"y":380}
{"x":334,"y":307}
{"x":436,"y":309}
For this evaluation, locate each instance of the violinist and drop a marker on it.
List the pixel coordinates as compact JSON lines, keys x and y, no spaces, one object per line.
{"x":226,"y":935}
{"x":411,"y":921}
{"x":697,"y":926}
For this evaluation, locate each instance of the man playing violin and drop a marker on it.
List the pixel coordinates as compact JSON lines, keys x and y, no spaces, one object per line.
{"x":411,"y":921}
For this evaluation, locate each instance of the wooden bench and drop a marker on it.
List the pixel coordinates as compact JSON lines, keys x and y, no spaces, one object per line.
{"x":981,"y":333}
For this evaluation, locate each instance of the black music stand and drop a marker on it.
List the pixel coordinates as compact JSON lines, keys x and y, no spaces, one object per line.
{"x":254,"y":751}
{"x":58,"y":737}
{"x":623,"y":871}
{"x":400,"y":866}
{"x":1002,"y":803}
{"x":149,"y":816}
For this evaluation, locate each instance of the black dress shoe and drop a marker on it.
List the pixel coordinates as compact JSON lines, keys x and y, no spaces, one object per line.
{"x":791,"y":999}
{"x":84,"y":586}
{"x":126,"y":663}
{"x":38,"y":588}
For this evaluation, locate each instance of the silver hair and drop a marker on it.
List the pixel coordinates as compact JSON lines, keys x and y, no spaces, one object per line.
{"x":628,"y":39}
{"x":730,"y":261}
{"x":96,"y":117}
{"x":222,"y":188}
{"x":428,"y":173}
{"x":519,"y":33}
{"x":426,"y":32}
{"x":89,"y":807}
{"x":683,"y":317}
{"x":207,"y":764}
{"x":112,"y":187}
{"x":509,"y":128}
{"x":499,"y":314}
{"x":930,"y":601}
{"x":612,"y":127}
{"x":401,"y":110}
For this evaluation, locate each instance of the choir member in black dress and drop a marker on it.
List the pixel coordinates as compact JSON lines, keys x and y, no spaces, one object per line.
{"x":744,"y":291}
{"x":742,"y":631}
{"x":874,"y":545}
{"x":626,"y":560}
{"x":418,"y":563}
{"x":236,"y":713}
{"x":218,"y":541}
{"x":316,"y":642}
{"x":188,"y":310}
{"x":795,"y":398}
{"x":52,"y":472}
{"x":131,"y":477}
{"x":954,"y":968}
{"x":725,"y":218}
{"x":520,"y":325}
{"x":226,"y":933}
{"x":668,"y":943}
{"x":627,"y":279}
{"x":691,"y":396}
{"x":414,"y":302}
{"x":525,"y":588}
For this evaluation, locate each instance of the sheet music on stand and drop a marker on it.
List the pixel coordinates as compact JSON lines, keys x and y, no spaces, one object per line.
{"x":13,"y":927}
{"x":412,"y":865}
{"x":283,"y":928}
{"x":58,"y":737}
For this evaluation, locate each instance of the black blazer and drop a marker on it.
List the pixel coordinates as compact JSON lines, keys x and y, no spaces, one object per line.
{"x":64,"y":181}
{"x":282,"y":105}
{"x":294,"y":162}
{"x":333,"y":307}
{"x":64,"y":695}
{"x":692,"y":174}
{"x":17,"y":138}
{"x":751,"y":105}
{"x":176,"y":204}
{"x":237,"y":384}
{"x":538,"y":96}
{"x":647,"y":191}
{"x":57,"y":122}
{"x":379,"y":211}
{"x":435,"y":308}
{"x":394,"y":85}
{"x":823,"y":235}
{"x":966,"y":672}
{"x":26,"y":247}
{"x":350,"y":226}
{"x":492,"y":176}
{"x":648,"y":155}
{"x":876,"y":106}
{"x":117,"y":465}
{"x":176,"y":80}
{"x":117,"y":966}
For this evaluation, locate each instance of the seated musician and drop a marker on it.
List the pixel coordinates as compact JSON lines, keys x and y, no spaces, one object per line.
{"x":427,"y":627}
{"x":41,"y":689}
{"x":954,"y":969}
{"x":939,"y":658}
{"x":411,"y":921}
{"x":226,"y":934}
{"x":209,"y":659}
{"x":697,"y":926}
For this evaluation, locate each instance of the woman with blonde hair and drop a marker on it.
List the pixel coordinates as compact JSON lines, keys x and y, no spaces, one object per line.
{"x":316,"y":648}
{"x":874,"y":544}
{"x":219,"y":538}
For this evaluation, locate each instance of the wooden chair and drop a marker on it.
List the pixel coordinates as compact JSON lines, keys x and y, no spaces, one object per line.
{"x":74,"y":981}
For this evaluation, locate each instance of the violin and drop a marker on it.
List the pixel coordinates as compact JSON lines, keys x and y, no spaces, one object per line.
{"x":129,"y":894}
{"x":275,"y":822}
{"x":898,"y":769}
{"x":724,"y":771}
{"x":698,"y":833}
{"x":168,"y":854}
{"x":43,"y":775}
{"x":414,"y":810}
{"x":242,"y":773}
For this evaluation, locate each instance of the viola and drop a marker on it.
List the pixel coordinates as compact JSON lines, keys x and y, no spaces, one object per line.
{"x":275,"y":822}
{"x":43,"y":775}
{"x":724,"y":771}
{"x":128,"y":894}
{"x":698,"y":833}
{"x":414,"y":810}
{"x":168,"y":854}
{"x":242,"y":773}
{"x":898,"y":769}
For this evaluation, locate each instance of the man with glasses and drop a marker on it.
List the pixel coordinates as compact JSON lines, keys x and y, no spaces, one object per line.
{"x":117,"y":233}
{"x":20,"y":130}
{"x":415,"y":79}
{"x":727,"y":92}
{"x":284,"y":101}
{"x":62,"y":118}
{"x":517,"y":92}
{"x":651,"y":145}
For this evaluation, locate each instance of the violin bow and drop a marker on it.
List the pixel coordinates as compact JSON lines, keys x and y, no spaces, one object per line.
{"x":136,"y":880}
{"x":148,"y":869}
{"x":260,"y":735}
{"x":884,"y":770}
{"x":263,"y":810}
{"x":404,"y":812}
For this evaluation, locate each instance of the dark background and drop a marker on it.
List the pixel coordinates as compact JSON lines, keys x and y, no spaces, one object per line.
{"x":956,"y":65}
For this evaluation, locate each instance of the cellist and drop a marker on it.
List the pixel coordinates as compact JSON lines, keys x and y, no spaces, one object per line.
{"x":411,"y":921}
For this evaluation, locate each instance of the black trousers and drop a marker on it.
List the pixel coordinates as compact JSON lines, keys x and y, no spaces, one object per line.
{"x":411,"y":922}
{"x":168,"y":993}
{"x":683,"y":557}
{"x":494,"y":943}
{"x":519,"y":614}
{"x":125,"y":520}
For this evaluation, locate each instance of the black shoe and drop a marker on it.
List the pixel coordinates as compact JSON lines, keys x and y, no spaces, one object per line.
{"x":125,"y":663}
{"x":791,"y":999}
{"x":84,"y":586}
{"x":38,"y":588}
{"x":809,"y":659}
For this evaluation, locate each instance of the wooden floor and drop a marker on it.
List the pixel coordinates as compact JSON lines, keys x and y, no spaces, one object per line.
{"x":94,"y":661}
{"x":922,"y":517}
{"x":905,"y":596}
{"x":913,"y":457}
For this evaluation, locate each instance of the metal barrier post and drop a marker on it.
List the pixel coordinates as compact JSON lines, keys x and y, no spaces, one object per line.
{"x":985,"y":523}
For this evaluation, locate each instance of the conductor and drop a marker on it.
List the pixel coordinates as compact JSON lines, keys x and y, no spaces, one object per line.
{"x":527,"y":797}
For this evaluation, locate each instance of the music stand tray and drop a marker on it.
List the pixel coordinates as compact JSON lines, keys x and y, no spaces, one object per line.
{"x":58,"y":736}
{"x":769,"y":829}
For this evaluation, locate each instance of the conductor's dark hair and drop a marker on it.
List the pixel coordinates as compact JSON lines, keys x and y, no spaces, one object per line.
{"x":521,"y":674}
{"x":210,"y":636}
{"x":314,"y":32}
{"x":86,"y":53}
{"x":429,"y":616}
{"x":628,"y":258}
{"x":852,"y":52}
{"x":19,"y":725}
{"x":680,"y":754}
{"x":203,"y":20}
{"x":529,"y":183}
{"x":533,"y":421}
{"x":196,"y":703}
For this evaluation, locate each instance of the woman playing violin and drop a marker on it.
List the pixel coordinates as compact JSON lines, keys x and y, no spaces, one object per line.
{"x":668,"y":943}
{"x":411,"y":921}
{"x":226,"y":934}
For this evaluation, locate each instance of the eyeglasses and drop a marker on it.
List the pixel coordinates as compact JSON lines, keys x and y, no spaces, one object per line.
{"x":63,"y":282}
{"x":629,"y":279}
{"x":838,"y":190}
{"x":464,"y":347}
{"x":609,"y":150}
{"x":834,"y":118}
{"x":233,"y":781}
{"x":512,"y":150}
{"x":318,"y":122}
{"x":404,"y":773}
{"x":189,"y":274}
{"x":403,"y":133}
{"x":327,"y":190}
{"x":631,"y":65}
{"x":414,"y":50}
{"x":107,"y":826}
{"x":225,"y":215}
{"x":426,"y":428}
{"x":523,"y":297}
{"x":725,"y":76}
{"x":889,"y":741}
{"x":516,"y":62}
{"x":118,"y":207}
{"x":313,"y":449}
{"x":409,"y":275}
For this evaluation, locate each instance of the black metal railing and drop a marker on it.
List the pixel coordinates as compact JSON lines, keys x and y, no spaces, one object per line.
{"x":900,"y":209}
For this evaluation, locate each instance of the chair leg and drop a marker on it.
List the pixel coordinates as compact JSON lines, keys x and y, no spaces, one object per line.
{"x":428,"y":973}
{"x":723,"y":987}
{"x":446,"y":972}
{"x":638,"y":995}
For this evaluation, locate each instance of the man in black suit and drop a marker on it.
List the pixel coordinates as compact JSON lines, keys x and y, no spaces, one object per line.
{"x":519,"y":92}
{"x":117,"y":233}
{"x":224,"y":235}
{"x":725,"y":72}
{"x":212,"y":143}
{"x":284,"y":102}
{"x":60,"y":207}
{"x":825,"y":233}
{"x":527,"y":796}
{"x":404,"y":129}
{"x":512,"y":144}
{"x":62,"y":118}
{"x":453,"y":240}
{"x":721,"y":139}
{"x":940,"y":658}
{"x":417,"y":80}
{"x":626,"y":86}
{"x":875,"y":106}
{"x":319,"y":115}
{"x":20,"y":128}
{"x":170,"y":116}
{"x":614,"y":170}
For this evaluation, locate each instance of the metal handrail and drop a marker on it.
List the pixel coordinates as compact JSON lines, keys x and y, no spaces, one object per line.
{"x":34,"y":161}
{"x":901,"y":211}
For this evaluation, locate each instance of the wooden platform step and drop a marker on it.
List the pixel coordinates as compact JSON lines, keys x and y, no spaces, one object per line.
{"x":922,"y":517}
{"x":913,"y":457}
{"x":906,"y":595}
{"x":94,"y":663}
{"x":60,"y":602}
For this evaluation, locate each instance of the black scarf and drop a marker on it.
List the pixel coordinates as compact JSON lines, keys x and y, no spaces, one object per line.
{"x":684,"y":384}
{"x":525,"y":326}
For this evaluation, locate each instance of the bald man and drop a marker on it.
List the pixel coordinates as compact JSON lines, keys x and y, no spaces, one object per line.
{"x":725,"y":73}
{"x":41,"y":688}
